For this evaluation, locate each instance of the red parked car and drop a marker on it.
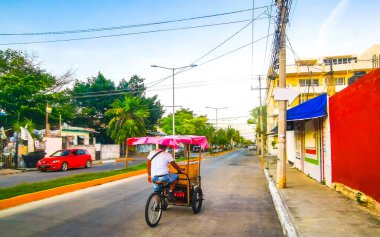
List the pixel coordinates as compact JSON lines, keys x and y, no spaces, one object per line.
{"x":65,"y":159}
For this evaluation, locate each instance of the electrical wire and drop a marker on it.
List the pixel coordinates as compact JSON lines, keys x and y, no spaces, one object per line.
{"x":126,"y":26}
{"x":124,"y":34}
{"x":161,"y":88}
{"x":232,"y":51}
{"x":148,"y":87}
{"x":209,"y":52}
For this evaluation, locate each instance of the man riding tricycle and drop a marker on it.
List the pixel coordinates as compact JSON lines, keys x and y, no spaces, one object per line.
{"x":177,"y":184}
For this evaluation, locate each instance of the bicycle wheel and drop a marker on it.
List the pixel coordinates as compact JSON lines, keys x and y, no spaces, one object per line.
{"x":196,"y":200}
{"x":153,"y":209}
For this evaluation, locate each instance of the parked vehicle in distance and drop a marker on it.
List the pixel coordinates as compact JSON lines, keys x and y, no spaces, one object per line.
{"x":32,"y":158}
{"x":179,"y":152}
{"x":65,"y":159}
{"x":252,"y":147}
{"x":196,"y":148}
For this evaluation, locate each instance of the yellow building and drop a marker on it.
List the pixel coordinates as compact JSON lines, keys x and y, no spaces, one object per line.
{"x":308,"y":140}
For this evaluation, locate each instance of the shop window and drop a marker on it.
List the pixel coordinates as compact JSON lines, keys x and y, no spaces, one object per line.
{"x":80,"y":140}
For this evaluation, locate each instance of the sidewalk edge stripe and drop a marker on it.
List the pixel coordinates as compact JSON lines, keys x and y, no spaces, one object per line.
{"x":288,"y":227}
{"x":31,"y":197}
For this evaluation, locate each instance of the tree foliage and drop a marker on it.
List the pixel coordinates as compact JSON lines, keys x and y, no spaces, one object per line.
{"x":26,"y":89}
{"x":186,"y":123}
{"x":94,"y":98}
{"x":255,"y":119}
{"x":127,"y":118}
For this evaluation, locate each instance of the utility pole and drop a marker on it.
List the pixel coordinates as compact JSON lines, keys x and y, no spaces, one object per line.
{"x":261,"y":122}
{"x":260,"y":118}
{"x":330,"y":81}
{"x":216,"y":114}
{"x":281,"y":163}
{"x":173,"y":73}
{"x":48,"y":110}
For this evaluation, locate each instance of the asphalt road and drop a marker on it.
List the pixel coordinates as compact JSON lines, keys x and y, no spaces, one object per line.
{"x":237,"y":203}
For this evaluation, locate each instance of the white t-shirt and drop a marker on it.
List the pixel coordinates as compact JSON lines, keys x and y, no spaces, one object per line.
{"x":159,"y":165}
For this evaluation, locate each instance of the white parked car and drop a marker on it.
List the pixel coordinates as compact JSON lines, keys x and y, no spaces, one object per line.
{"x":252,"y":147}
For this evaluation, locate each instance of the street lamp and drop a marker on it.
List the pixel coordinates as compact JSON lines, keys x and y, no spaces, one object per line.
{"x":216,"y":115}
{"x":173,"y":70}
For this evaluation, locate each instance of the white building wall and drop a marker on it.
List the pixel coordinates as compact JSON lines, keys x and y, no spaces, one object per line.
{"x":89,"y":148}
{"x":270,"y":148}
{"x":52,"y":144}
{"x":109,"y":151}
{"x":327,"y":149}
{"x":290,"y":146}
{"x":298,"y":140}
{"x":311,"y":143}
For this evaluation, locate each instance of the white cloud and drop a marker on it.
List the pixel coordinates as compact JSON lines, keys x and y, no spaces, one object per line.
{"x":327,"y":28}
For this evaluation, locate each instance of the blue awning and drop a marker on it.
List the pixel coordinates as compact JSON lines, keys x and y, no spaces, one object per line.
{"x":310,"y":109}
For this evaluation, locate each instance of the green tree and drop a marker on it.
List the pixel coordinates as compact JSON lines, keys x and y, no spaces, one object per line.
{"x":221,"y":137}
{"x":256,"y":115}
{"x":92,"y":99}
{"x":127,"y":119}
{"x":185,"y":123}
{"x":156,"y":112}
{"x":135,"y":86}
{"x":209,"y":131}
{"x":26,"y":88}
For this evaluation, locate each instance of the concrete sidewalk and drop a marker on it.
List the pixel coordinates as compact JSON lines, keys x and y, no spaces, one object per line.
{"x":316,"y":210}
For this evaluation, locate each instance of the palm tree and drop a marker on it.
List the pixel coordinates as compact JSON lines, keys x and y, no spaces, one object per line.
{"x":230,"y":132}
{"x":127,"y":119}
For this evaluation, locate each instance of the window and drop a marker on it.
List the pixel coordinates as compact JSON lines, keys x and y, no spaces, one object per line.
{"x":81,"y":152}
{"x":336,"y":61}
{"x":308,"y":82}
{"x":80,"y":140}
{"x":339,"y":81}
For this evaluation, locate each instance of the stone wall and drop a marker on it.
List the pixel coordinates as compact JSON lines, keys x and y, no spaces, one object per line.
{"x":109,"y":151}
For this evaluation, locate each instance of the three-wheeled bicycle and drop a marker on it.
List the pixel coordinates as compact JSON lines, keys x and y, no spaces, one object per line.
{"x":188,"y":191}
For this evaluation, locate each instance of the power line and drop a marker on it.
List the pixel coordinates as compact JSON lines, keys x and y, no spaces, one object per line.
{"x":163,"y":87}
{"x":246,"y":45}
{"x":160,"y":88}
{"x":229,"y":38}
{"x":126,"y":26}
{"x":266,"y":43}
{"x":124,"y":34}
{"x":209,"y":52}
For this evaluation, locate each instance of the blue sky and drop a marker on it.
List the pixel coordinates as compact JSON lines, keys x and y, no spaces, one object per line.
{"x":316,"y":28}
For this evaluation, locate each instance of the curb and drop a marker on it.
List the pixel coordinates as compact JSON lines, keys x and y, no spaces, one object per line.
{"x":99,"y":162}
{"x":288,"y":227}
{"x":31,"y":197}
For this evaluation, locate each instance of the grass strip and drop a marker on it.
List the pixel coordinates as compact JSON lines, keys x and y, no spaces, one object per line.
{"x":26,"y":188}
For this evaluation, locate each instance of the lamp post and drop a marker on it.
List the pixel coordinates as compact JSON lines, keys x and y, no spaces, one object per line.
{"x":216,"y":114}
{"x":173,"y":71}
